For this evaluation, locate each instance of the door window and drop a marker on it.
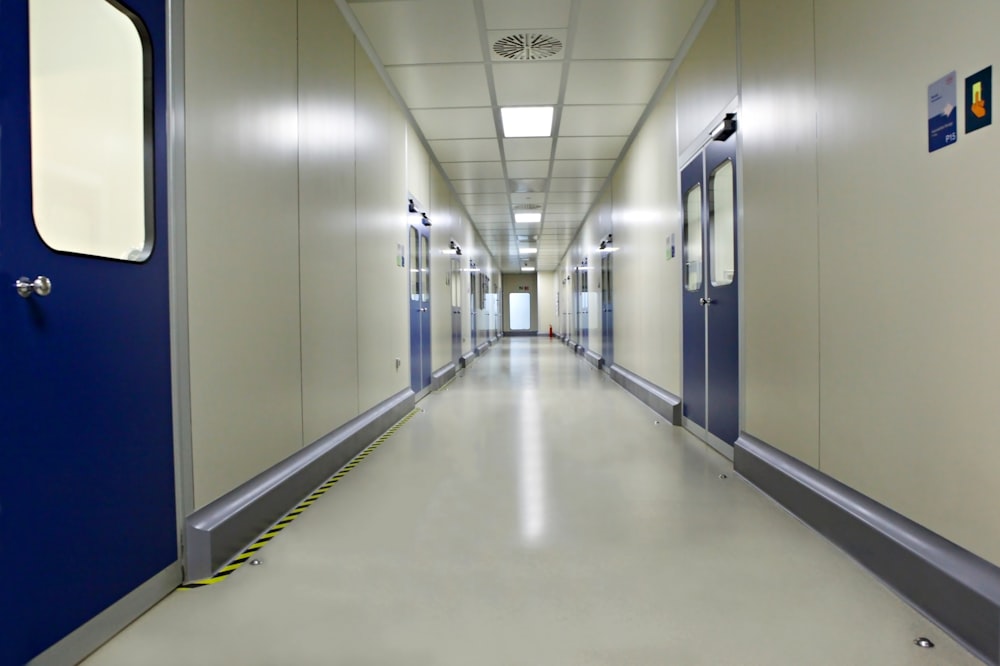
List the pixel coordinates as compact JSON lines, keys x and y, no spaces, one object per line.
{"x":721,"y":227}
{"x":414,"y":264}
{"x":91,"y":114}
{"x":692,"y":239}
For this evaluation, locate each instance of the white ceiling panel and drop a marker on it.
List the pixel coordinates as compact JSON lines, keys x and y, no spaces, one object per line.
{"x":582,"y":168}
{"x":590,"y":120}
{"x":528,"y":149}
{"x":527,"y":83}
{"x":528,"y":198}
{"x":526,"y":14}
{"x":421,"y":31}
{"x":469,"y":170}
{"x":441,"y":86}
{"x":456,"y":123}
{"x":486,"y":219}
{"x":579,"y":209}
{"x":576,"y":184}
{"x":621,"y":82}
{"x":483,"y":199}
{"x":589,"y":147}
{"x":466,"y":150}
{"x":531,"y":169}
{"x":633,"y":28}
{"x":572,"y":197}
{"x":480,"y":186}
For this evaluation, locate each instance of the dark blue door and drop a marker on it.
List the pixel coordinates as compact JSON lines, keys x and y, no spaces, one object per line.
{"x":721,"y":284}
{"x":693,"y":308}
{"x":456,"y":310}
{"x":607,"y":310}
{"x":710,"y":300}
{"x":473,"y":304}
{"x":420,"y":308}
{"x":87,"y":499}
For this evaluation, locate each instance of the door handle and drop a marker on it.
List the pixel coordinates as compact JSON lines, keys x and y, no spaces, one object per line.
{"x":706,"y":301}
{"x":40,"y":286}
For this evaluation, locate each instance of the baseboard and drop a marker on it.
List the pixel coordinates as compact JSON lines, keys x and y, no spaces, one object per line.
{"x":217,"y":532}
{"x":594,"y":359}
{"x":467,"y":358}
{"x":661,"y":401}
{"x":954,"y":588}
{"x":521,"y":334}
{"x":92,"y":635}
{"x":443,"y":376}
{"x":482,"y":349}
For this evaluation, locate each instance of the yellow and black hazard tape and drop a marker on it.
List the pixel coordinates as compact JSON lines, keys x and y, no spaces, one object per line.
{"x":287,"y":519}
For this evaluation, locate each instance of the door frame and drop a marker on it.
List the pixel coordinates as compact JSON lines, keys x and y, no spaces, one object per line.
{"x":685,"y":156}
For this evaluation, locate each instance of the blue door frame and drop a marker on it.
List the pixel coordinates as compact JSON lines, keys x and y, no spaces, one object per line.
{"x":710,"y":310}
{"x":87,"y":462}
{"x":420,"y":308}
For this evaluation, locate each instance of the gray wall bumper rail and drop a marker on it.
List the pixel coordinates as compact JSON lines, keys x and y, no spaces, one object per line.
{"x":661,"y":401}
{"x":467,"y":358}
{"x":482,"y":349}
{"x":953,"y":587}
{"x":217,"y":532}
{"x":594,"y":359}
{"x":443,"y":376}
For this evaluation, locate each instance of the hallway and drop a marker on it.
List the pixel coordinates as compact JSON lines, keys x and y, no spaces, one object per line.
{"x":533,"y":512}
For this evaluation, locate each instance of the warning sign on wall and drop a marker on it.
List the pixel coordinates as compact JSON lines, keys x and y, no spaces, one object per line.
{"x":979,"y":100}
{"x":942,"y":112}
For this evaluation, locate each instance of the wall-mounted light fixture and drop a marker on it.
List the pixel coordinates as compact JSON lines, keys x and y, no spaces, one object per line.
{"x":426,"y":221}
{"x":724,"y":129}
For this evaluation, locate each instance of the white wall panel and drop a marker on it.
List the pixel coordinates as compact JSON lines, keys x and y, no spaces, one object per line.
{"x":647,"y":287}
{"x":418,"y":170}
{"x":242,"y":227}
{"x":908,"y":244}
{"x":546,"y":317}
{"x":445,"y":224}
{"x":780,"y":266}
{"x":706,"y":81}
{"x":327,"y":237}
{"x":383,"y":314}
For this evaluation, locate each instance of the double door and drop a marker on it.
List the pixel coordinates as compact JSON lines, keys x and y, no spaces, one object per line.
{"x":607,"y":309}
{"x":87,"y":493}
{"x":420,"y":307}
{"x":711,"y":295}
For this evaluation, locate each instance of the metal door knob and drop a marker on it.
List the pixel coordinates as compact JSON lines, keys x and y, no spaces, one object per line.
{"x":40,"y":286}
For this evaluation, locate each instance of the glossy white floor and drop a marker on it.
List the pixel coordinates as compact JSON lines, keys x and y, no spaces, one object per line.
{"x":535,"y":513}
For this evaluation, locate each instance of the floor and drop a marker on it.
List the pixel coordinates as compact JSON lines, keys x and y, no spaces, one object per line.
{"x":535,"y":513}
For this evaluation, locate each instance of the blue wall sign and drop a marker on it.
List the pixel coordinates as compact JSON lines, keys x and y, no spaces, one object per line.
{"x":979,"y":100}
{"x":942,"y":112}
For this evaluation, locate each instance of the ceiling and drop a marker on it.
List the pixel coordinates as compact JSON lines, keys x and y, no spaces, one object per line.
{"x":610,"y":59}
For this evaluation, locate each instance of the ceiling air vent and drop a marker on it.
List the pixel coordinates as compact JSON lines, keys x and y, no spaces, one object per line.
{"x":527,"y":206}
{"x":527,"y":46}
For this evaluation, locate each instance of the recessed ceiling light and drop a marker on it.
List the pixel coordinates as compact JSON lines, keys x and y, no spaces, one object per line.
{"x":527,"y":269}
{"x":527,"y":217}
{"x":528,"y":250}
{"x":527,"y":121}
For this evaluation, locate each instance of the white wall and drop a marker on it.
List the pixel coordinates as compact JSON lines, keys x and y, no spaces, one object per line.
{"x":546,"y":303}
{"x":299,"y":165}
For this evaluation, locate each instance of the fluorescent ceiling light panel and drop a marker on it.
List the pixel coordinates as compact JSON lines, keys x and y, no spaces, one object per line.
{"x":527,"y":121}
{"x":527,"y":269}
{"x":528,"y":250}
{"x":527,"y":217}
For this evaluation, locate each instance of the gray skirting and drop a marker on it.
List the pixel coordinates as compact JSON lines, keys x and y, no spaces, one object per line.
{"x":594,"y":359}
{"x":951,"y":586}
{"x":482,"y":349}
{"x":467,"y":358}
{"x":217,"y":532}
{"x":661,"y":401}
{"x":521,"y":334}
{"x":443,"y":376}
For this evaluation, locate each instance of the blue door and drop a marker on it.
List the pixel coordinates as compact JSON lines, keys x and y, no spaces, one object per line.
{"x":87,"y":498}
{"x":710,"y":301}
{"x":607,"y":310}
{"x":473,"y":305}
{"x":420,"y":308}
{"x":456,"y":310}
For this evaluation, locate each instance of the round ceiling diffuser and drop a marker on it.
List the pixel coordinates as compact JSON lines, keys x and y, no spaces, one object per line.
{"x":527,"y":46}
